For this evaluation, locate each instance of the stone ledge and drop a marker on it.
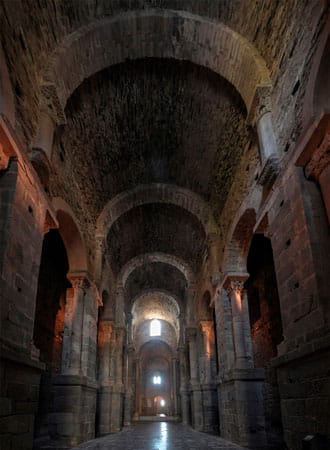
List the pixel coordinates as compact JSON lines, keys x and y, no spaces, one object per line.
{"x":305,"y":350}
{"x":20,"y":357}
{"x":74,"y":380}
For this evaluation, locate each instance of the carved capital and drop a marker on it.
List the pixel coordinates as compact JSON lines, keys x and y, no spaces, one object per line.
{"x":237,"y":287}
{"x":230,"y":278}
{"x":79,"y":281}
{"x":206,"y":327}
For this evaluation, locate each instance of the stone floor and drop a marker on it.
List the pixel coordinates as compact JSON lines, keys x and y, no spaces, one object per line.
{"x":159,"y":436}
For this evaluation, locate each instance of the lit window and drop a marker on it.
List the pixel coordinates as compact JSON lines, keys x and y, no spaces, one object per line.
{"x":155,"y":328}
{"x":157,"y":379}
{"x":162,"y":402}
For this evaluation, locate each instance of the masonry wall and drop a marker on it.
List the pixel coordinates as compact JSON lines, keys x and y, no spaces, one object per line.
{"x":300,"y":241}
{"x":23,"y":212}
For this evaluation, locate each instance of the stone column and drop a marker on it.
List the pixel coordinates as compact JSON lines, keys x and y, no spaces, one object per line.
{"x":74,"y":391}
{"x":117,"y":388}
{"x":129,"y":388}
{"x":137,"y":389}
{"x":184,"y":393}
{"x":73,"y":325}
{"x":104,"y":340}
{"x":129,"y":360}
{"x":208,"y":382}
{"x":240,"y":386}
{"x":241,"y":326}
{"x":105,"y":333}
{"x":207,"y":331}
{"x":196,"y":393}
{"x":89,"y":332}
{"x":175,"y":385}
{"x":225,"y":340}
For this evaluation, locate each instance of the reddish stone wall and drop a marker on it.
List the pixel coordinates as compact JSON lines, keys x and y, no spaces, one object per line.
{"x":264,"y":308}
{"x":266,"y":328}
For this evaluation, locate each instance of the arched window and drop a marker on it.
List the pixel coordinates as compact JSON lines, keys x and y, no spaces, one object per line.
{"x":155,"y":328}
{"x":157,"y":379}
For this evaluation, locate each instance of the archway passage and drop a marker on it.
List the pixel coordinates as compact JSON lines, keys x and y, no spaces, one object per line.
{"x":155,"y":393}
{"x":49,"y":320}
{"x":266,"y":327}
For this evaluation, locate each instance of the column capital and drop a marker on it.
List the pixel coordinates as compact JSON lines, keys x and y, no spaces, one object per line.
{"x":206,"y":326}
{"x":230,"y":278}
{"x":236,"y":287}
{"x":79,"y":280}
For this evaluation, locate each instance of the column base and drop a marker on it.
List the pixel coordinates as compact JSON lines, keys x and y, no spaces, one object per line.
{"x":73,"y":419}
{"x":241,"y":408}
{"x":210,"y":409}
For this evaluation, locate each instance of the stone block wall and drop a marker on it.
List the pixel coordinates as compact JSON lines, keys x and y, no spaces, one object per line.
{"x":23,"y":211}
{"x":300,"y":241}
{"x":73,"y":419}
{"x":210,"y":410}
{"x":241,"y":408}
{"x":19,"y":391}
{"x":305,"y":390}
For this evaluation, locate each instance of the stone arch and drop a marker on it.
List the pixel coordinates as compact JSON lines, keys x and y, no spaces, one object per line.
{"x":144,"y":194}
{"x":71,"y":236}
{"x":153,"y":33}
{"x":239,"y":243}
{"x":140,"y":260}
{"x":149,"y":304}
{"x":153,"y":193}
{"x":7,"y":104}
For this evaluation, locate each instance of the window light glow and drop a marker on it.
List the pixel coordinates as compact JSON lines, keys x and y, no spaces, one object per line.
{"x":155,"y":328}
{"x":157,"y":379}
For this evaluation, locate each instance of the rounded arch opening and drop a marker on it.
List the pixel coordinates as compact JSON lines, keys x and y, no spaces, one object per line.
{"x":190,"y":32}
{"x":71,"y":236}
{"x":49,"y":320}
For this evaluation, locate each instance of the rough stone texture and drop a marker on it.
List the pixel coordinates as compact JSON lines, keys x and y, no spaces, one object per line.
{"x":145,"y":147}
{"x":152,"y":228}
{"x":73,"y":418}
{"x":156,"y":276}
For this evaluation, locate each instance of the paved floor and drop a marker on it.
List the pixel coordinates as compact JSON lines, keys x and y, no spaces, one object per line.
{"x":159,"y":436}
